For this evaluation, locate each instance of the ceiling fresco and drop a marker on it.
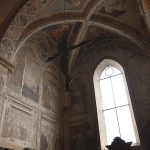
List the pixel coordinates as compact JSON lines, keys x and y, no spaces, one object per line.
{"x":59,"y":5}
{"x":48,"y":40}
{"x":47,"y":7}
{"x":63,"y":31}
{"x":96,"y":35}
{"x":103,"y":41}
{"x":32,"y":10}
{"x":122,"y":10}
{"x":54,"y":35}
{"x":38,"y":33}
{"x":100,"y":34}
{"x":115,"y":8}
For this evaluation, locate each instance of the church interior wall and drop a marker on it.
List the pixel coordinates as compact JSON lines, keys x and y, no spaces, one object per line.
{"x":35,"y":109}
{"x":136,"y":66}
{"x":31,"y":97}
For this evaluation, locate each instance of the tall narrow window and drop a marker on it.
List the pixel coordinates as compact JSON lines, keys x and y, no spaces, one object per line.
{"x":114,"y":107}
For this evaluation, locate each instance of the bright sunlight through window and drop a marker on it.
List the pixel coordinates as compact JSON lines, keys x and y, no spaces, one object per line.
{"x":115,"y":114}
{"x":116,"y":110}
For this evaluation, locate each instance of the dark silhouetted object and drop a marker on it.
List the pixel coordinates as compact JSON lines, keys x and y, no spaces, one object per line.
{"x":119,"y":144}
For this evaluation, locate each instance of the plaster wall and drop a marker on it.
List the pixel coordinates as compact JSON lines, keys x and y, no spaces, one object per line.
{"x":83,"y":122}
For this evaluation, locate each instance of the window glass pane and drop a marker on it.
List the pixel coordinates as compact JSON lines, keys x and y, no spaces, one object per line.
{"x":125,"y":123}
{"x":116,"y":71}
{"x":109,"y":71}
{"x":107,"y":95}
{"x":111,"y":125}
{"x":119,"y":90}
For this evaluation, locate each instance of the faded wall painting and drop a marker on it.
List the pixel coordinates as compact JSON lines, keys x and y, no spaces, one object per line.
{"x":58,"y":32}
{"x":49,"y":136}
{"x":31,"y":79}
{"x":46,"y":46}
{"x":19,"y":124}
{"x":15,"y":81}
{"x":51,"y":90}
{"x":115,"y":8}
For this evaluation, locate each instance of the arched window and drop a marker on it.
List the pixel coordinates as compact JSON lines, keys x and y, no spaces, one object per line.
{"x":114,"y":108}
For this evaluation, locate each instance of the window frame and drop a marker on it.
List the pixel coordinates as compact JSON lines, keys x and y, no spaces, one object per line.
{"x":101,"y":121}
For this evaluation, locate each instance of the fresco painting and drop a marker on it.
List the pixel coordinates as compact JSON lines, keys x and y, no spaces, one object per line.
{"x":31,"y":80}
{"x":46,"y":46}
{"x":49,"y":132}
{"x":115,"y":8}
{"x":58,"y":32}
{"x":20,"y":125}
{"x":15,"y":81}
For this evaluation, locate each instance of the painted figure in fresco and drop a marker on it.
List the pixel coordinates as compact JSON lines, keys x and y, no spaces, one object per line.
{"x":31,"y":80}
{"x":115,"y":8}
{"x":119,"y":144}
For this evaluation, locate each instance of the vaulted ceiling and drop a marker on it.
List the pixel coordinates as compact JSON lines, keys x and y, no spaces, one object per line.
{"x":74,"y":20}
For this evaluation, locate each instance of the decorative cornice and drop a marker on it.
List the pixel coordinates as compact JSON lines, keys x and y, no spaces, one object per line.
{"x":20,"y":99}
